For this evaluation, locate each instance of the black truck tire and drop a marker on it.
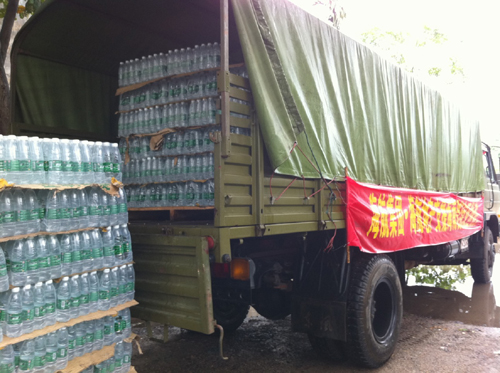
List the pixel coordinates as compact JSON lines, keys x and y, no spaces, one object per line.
{"x":374,"y":310}
{"x":230,"y":315}
{"x":482,"y":268}
{"x":327,"y":348}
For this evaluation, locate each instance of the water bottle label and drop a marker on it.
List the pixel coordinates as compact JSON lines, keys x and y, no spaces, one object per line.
{"x":86,"y":254}
{"x":62,"y":353}
{"x":51,"y":357}
{"x":2,"y":166}
{"x":76,"y":212}
{"x":84,"y":211}
{"x":123,"y":325}
{"x":117,"y":249}
{"x":32,"y":264}
{"x":75,"y":302}
{"x":106,"y":210}
{"x":99,"y":334}
{"x":94,"y":296}
{"x":39,"y":311}
{"x":14,"y":318}
{"x":9,"y":217}
{"x":130,"y":287}
{"x":103,"y":294}
{"x":121,"y":289}
{"x":114,"y":209}
{"x":28,"y":315}
{"x":118,"y":362}
{"x":109,"y":251}
{"x":66,"y":258}
{"x":41,"y":212}
{"x":52,"y":214}
{"x":108,"y":167}
{"x":3,"y":270}
{"x":80,"y":341}
{"x":23,"y":215}
{"x":98,"y":167}
{"x":118,"y":327}
{"x":126,"y":359}
{"x":89,"y":338}
{"x":209,"y":196}
{"x":26,"y":364}
{"x":24,"y":166}
{"x":97,"y":253}
{"x":39,"y":361}
{"x":12,"y":166}
{"x":84,"y":299}
{"x":75,"y":166}
{"x":116,"y":168}
{"x":76,"y":256}
{"x":34,"y":214}
{"x":66,"y":166}
{"x":3,"y":316}
{"x":71,"y":344}
{"x":126,"y":247}
{"x":153,"y":197}
{"x":55,"y":166}
{"x":107,"y":329}
{"x":95,"y":211}
{"x":190,"y":196}
{"x":63,"y":213}
{"x":55,"y":260}
{"x":37,"y":165}
{"x":51,"y":308}
{"x":102,"y":369}
{"x":173,"y":196}
{"x":125,"y":101}
{"x":63,"y":304}
{"x":86,"y":166}
{"x":43,"y":262}
{"x":7,"y":368}
{"x":113,"y":292}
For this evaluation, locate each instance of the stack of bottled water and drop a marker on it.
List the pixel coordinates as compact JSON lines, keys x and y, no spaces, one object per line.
{"x":30,"y":308}
{"x":171,"y":63}
{"x":32,"y":160}
{"x":24,"y":211}
{"x":196,"y":113}
{"x":52,"y":352}
{"x":170,"y":90}
{"x":189,"y":193}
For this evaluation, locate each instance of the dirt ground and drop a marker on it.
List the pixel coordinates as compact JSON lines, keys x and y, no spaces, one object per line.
{"x":425,"y":345}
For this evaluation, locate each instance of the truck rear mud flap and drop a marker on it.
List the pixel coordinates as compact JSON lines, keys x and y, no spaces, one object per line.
{"x":173,"y":281}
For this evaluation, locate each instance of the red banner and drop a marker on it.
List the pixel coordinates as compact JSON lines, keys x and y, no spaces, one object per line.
{"x":383,"y":219}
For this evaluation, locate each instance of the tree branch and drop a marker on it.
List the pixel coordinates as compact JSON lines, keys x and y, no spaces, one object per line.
{"x":6,"y":31}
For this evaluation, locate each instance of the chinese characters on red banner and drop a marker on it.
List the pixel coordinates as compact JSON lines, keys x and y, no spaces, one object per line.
{"x":382,"y":219}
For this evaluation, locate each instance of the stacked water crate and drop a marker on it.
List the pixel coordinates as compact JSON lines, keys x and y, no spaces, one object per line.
{"x":168,"y":122}
{"x":66,"y":274}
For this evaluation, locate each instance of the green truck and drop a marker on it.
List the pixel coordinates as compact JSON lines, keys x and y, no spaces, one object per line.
{"x":317,"y":107}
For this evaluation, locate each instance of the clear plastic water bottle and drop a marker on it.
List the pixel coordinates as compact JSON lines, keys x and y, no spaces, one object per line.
{"x":74,"y":208}
{"x":93,"y":292}
{"x":122,"y":284}
{"x":104,"y":290}
{"x":113,"y":209}
{"x":208,"y":193}
{"x":83,"y":206}
{"x":74,"y":286}
{"x":127,"y":356}
{"x":54,"y":250}
{"x":40,"y":352}
{"x":50,"y":303}
{"x":87,"y":175}
{"x":42,"y":208}
{"x":130,"y":282}
{"x":62,"y":349}
{"x":33,"y":209}
{"x":86,"y":251}
{"x":98,"y":163}
{"x":97,"y":249}
{"x":4,"y":299}
{"x":19,"y":202}
{"x":63,"y":300}
{"x":107,"y":161}
{"x":126,"y":322}
{"x":14,"y":325}
{"x":106,"y":208}
{"x":71,"y":342}
{"x":108,"y":247}
{"x":18,"y":267}
{"x":117,"y":244}
{"x":43,"y":256}
{"x":28,"y":304}
{"x":64,"y":211}
{"x":122,"y":207}
{"x":80,"y":339}
{"x":84,"y":294}
{"x":76,"y":254}
{"x":4,"y":278}
{"x":67,"y":176}
{"x":51,"y":352}
{"x":9,"y":214}
{"x":113,"y":287}
{"x":116,"y":159}
{"x":23,"y":158}
{"x":89,"y":336}
{"x":52,"y":215}
{"x":36,"y":160}
{"x":95,"y":207}
{"x":39,"y":306}
{"x":55,"y":162}
{"x":27,"y":356}
{"x":109,"y":331}
{"x":119,"y":357}
{"x":66,"y":254}
{"x":31,"y":257}
{"x":126,"y":243}
{"x":98,"y":334}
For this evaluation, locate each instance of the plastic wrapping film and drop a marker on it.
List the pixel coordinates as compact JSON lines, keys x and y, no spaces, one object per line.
{"x":313,"y":84}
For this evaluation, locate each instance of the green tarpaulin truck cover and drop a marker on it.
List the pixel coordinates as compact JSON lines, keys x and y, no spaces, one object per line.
{"x":312,"y":84}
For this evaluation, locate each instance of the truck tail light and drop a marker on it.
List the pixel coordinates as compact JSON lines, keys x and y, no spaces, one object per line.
{"x":240,"y":269}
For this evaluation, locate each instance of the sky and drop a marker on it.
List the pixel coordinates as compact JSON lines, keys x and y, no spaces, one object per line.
{"x":472,"y":30}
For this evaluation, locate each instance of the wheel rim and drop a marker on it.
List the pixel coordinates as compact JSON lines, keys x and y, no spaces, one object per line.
{"x":383,"y":311}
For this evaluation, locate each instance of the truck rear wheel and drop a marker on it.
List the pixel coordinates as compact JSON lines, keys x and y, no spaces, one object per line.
{"x":482,"y":268}
{"x":230,"y":315}
{"x":374,"y":310}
